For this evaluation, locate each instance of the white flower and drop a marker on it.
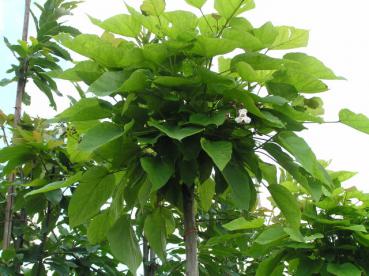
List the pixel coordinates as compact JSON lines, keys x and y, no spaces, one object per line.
{"x":242,"y":117}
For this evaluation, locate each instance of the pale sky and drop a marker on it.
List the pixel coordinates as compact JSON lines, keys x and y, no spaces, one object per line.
{"x":338,"y":36}
{"x":1,"y":16}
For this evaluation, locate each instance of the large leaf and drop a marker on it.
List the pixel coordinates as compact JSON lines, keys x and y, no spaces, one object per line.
{"x":136,"y":82}
{"x":124,"y":244}
{"x":95,"y":188}
{"x":310,"y":65}
{"x":158,"y":171}
{"x":57,"y":185}
{"x":168,"y":81}
{"x":86,"y":109}
{"x":216,"y":118}
{"x":102,"y":51}
{"x":359,"y":121}
{"x":155,"y":232}
{"x":100,"y":135}
{"x":206,"y":194}
{"x":345,"y":269}
{"x":175,"y":132}
{"x":196,"y":3}
{"x":153,"y":7}
{"x":258,"y":61}
{"x":108,"y":83}
{"x":269,"y":266}
{"x":240,"y":182}
{"x":87,"y":71}
{"x":289,"y":38}
{"x":303,"y":154}
{"x":15,"y":152}
{"x":98,"y":228}
{"x":210,"y":47}
{"x":122,"y":24}
{"x":287,"y":203}
{"x":247,"y":73}
{"x":244,"y":39}
{"x":266,"y":34}
{"x":271,"y":234}
{"x":182,"y":25}
{"x":232,"y":8}
{"x":243,"y":224}
{"x":303,"y":81}
{"x":219,"y":151}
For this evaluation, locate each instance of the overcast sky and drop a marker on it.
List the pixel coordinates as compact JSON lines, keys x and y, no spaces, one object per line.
{"x":339,"y":37}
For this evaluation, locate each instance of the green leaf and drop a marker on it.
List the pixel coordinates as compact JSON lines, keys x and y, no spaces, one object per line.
{"x":182,"y":25}
{"x":108,"y":83}
{"x":258,"y":61}
{"x":247,"y":73}
{"x":345,"y":269}
{"x":232,"y":8}
{"x":158,"y":171}
{"x":271,"y":234}
{"x":175,"y":132}
{"x":102,"y":51}
{"x":266,"y":34}
{"x":87,"y":71}
{"x":122,"y":24}
{"x":269,"y":172}
{"x":168,"y":81}
{"x":57,"y":185}
{"x":355,"y":228}
{"x":8,"y":254}
{"x":357,"y":121}
{"x":206,"y":193}
{"x":5,"y":82}
{"x":86,"y":109}
{"x":284,"y":90}
{"x":136,"y":82}
{"x":342,"y":176}
{"x":310,"y":65}
{"x":210,"y":47}
{"x":243,"y":224}
{"x":240,"y":182}
{"x":196,"y":3}
{"x":244,"y":39}
{"x":289,"y":38}
{"x":100,"y":135}
{"x":98,"y":228}
{"x":153,"y":7}
{"x":95,"y":188}
{"x":219,"y":151}
{"x":155,"y":232}
{"x":217,"y":118}
{"x":287,"y":203}
{"x":15,"y":152}
{"x":124,"y":244}
{"x":269,"y":265}
{"x":304,"y":155}
{"x":302,"y":81}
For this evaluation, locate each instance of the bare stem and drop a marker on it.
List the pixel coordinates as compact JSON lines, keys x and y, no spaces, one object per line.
{"x":17,"y":115}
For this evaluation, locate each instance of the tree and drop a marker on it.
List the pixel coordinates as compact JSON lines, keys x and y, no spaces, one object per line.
{"x":177,"y":123}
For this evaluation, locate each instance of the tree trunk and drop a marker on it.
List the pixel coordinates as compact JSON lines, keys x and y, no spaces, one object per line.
{"x":148,"y":259}
{"x":8,"y":220}
{"x":190,"y":231}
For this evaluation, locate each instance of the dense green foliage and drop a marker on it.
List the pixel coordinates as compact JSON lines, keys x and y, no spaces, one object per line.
{"x":173,"y":99}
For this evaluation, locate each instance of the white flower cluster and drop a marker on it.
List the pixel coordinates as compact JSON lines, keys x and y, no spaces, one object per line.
{"x":242,"y":117}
